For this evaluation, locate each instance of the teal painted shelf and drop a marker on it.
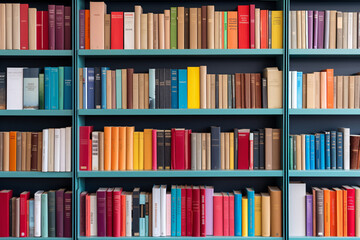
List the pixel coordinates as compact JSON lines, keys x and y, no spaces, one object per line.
{"x":322,"y":238}
{"x":324,"y":173}
{"x":35,"y":53}
{"x":36,"y":112}
{"x":185,"y":174}
{"x":38,"y":238}
{"x":324,"y":111}
{"x":35,"y":174}
{"x":324,"y":52}
{"x":172,"y":238}
{"x":89,"y":112}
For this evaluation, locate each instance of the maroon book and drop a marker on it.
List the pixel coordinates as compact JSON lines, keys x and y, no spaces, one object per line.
{"x":45,"y":30}
{"x":196,"y":211}
{"x":59,"y":196}
{"x":82,"y":29}
{"x":109,"y":212}
{"x":101,"y":212}
{"x":51,"y":27}
{"x":39,"y":28}
{"x":59,"y":27}
{"x":82,"y":213}
{"x":68,"y":214}
{"x":67,"y":28}
{"x":189,"y":211}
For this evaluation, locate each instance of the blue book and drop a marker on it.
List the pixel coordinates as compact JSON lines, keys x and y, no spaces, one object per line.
{"x":152,"y":99}
{"x":238,"y":214}
{"x":251,"y":211}
{"x":312,"y":152}
{"x":85,"y":88}
{"x":178,"y":212}
{"x":147,"y":225}
{"x":174,"y":89}
{"x":103,"y":87}
{"x":142,"y":219}
{"x":173,"y":210}
{"x":299,"y":89}
{"x":307,"y":152}
{"x":90,"y":88}
{"x":67,"y":87}
{"x":317,"y":151}
{"x":333,"y":149}
{"x":327,"y":150}
{"x":339,"y":147}
{"x":47,"y":87}
{"x":54,"y":88}
{"x":31,"y":218}
{"x":182,"y":76}
{"x":322,"y":151}
{"x":118,"y":88}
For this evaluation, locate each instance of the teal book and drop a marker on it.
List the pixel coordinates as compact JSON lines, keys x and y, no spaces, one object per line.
{"x":173,"y":28}
{"x":238,"y":214}
{"x":47,"y":88}
{"x":44,"y":215}
{"x":146,"y":225}
{"x":51,"y":213}
{"x":152,"y":99}
{"x":225,"y":30}
{"x":173,"y":210}
{"x":307,"y":152}
{"x":142,"y":229}
{"x":182,"y":75}
{"x":178,"y":211}
{"x":291,"y":152}
{"x":68,"y":87}
{"x":322,"y":151}
{"x":31,"y":218}
{"x":327,"y":150}
{"x":312,"y":152}
{"x":103,"y":87}
{"x":31,"y":88}
{"x":61,"y":88}
{"x":54,"y":88}
{"x":174,"y":89}
{"x":118,"y":88}
{"x":251,"y":211}
{"x":41,"y":91}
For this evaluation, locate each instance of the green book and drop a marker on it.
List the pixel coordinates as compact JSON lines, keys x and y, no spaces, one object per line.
{"x":44,"y":215}
{"x":291,"y":153}
{"x":118,"y":88}
{"x":173,"y":28}
{"x":61,"y":88}
{"x":225,"y":30}
{"x":51,"y":214}
{"x":41,"y":91}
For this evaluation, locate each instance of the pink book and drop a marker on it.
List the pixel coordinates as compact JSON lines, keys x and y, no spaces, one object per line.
{"x":209,"y":192}
{"x":231,"y":214}
{"x":226,"y":214}
{"x":251,"y":145}
{"x":154,"y":150}
{"x":252,"y":25}
{"x":168,"y":214}
{"x":218,"y":215}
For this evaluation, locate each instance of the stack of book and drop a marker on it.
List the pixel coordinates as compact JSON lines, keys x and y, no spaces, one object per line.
{"x":102,"y":88}
{"x":327,"y":29}
{"x":326,"y":150}
{"x":324,"y":212}
{"x":47,"y":214}
{"x":46,"y":151}
{"x":34,"y":88}
{"x":26,"y":28}
{"x":180,"y":28}
{"x":122,"y":148}
{"x":323,"y":90}
{"x":186,"y":211}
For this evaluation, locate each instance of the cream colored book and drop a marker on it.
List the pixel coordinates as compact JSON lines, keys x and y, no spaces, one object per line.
{"x":138,"y":12}
{"x":146,"y":79}
{"x":257,"y":28}
{"x":323,"y":94}
{"x":355,"y":30}
{"x":143,"y":34}
{"x":217,"y":30}
{"x":221,"y":30}
{"x":339,"y":29}
{"x":203,"y":73}
{"x":2,"y":26}
{"x":167,"y":28}
{"x":156,"y":31}
{"x":141,"y":90}
{"x":16,"y":25}
{"x":349,"y":30}
{"x":303,"y":29}
{"x":124,"y":88}
{"x":32,"y":28}
{"x":51,"y":149}
{"x":225,"y":91}
{"x":150,"y":31}
{"x":199,"y":28}
{"x":210,"y":27}
{"x":208,"y":151}
{"x":294,"y":39}
{"x":332,"y":38}
{"x":357,"y":92}
{"x":97,"y":25}
{"x":351,"y":91}
{"x":161,"y":31}
{"x":219,"y":76}
{"x":203,"y":150}
{"x":193,"y":28}
{"x":222,"y":150}
{"x":212,"y":90}
{"x":265,"y":214}
{"x":9,"y":28}
{"x":303,"y":152}
{"x":339,"y":91}
{"x":180,"y":27}
{"x":346,"y":92}
{"x":299,"y":29}
{"x":274,"y":84}
{"x":208,"y":91}
{"x":345,"y":29}
{"x":311,"y":93}
{"x":6,"y":162}
{"x":317,"y":90}
{"x":135,"y":91}
{"x":101,"y":151}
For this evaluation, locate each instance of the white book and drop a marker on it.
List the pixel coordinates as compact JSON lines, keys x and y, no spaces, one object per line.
{"x":297,"y":218}
{"x":45,"y":150}
{"x":327,"y":30}
{"x":51,"y":149}
{"x":8,"y":27}
{"x":62,"y":150}
{"x":156,"y":211}
{"x":346,"y":147}
{"x":93,"y":215}
{"x":57,"y":150}
{"x":68,"y":149}
{"x":198,"y":151}
{"x":17,"y":222}
{"x":14,"y":89}
{"x":163,"y":211}
{"x":168,"y":214}
{"x":294,"y":89}
{"x":350,"y":30}
{"x":193,"y":151}
{"x":290,"y":90}
{"x":290,"y":31}
{"x":95,"y":151}
{"x":129,"y":30}
{"x":37,"y":213}
{"x":306,"y":31}
{"x":128,"y":217}
{"x":85,"y":88}
{"x":355,"y":30}
{"x":16,"y":26}
{"x":2,"y":26}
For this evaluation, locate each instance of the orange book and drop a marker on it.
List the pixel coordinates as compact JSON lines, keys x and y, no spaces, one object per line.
{"x":329,"y":87}
{"x":232,"y":30}
{"x":107,"y":148}
{"x":264,"y":29}
{"x":12,"y":152}
{"x":114,"y":148}
{"x":345,"y":212}
{"x":87,"y":29}
{"x":129,"y":148}
{"x":147,"y":149}
{"x":87,"y":215}
{"x":339,"y":212}
{"x":332,"y":213}
{"x":123,"y":214}
{"x":326,"y":212}
{"x":122,"y":148}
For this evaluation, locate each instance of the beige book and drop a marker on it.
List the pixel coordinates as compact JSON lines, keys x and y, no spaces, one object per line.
{"x":135,"y":91}
{"x":97,"y":24}
{"x":225,"y":91}
{"x":141,"y":90}
{"x":299,"y":29}
{"x":317,"y":90}
{"x":23,"y":151}
{"x":298,"y":152}
{"x":311,"y":90}
{"x":101,"y":151}
{"x":335,"y":92}
{"x":222,"y":150}
{"x":138,"y":12}
{"x":40,"y":146}
{"x":146,"y":75}
{"x":9,"y":28}
{"x":156,"y":31}
{"x":217,"y":30}
{"x":220,"y":91}
{"x":304,"y":92}
{"x":150,"y":31}
{"x":107,"y":31}
{"x":199,"y":28}
{"x":332,"y":38}
{"x":339,"y":29}
{"x":323,"y":99}
{"x":28,"y":152}
{"x":355,"y":30}
{"x":293,"y":16}
{"x":208,"y":151}
{"x":275,"y":82}
{"x":346,"y":92}
{"x":203,"y":72}
{"x":357,"y":92}
{"x":339,"y":91}
{"x":212,"y":90}
{"x":227,"y":151}
{"x":351,"y":91}
{"x":345,"y":30}
{"x":144,"y":34}
{"x":303,"y":152}
{"x":231,"y":143}
{"x":210,"y":27}
{"x":221,"y":30}
{"x":193,"y":28}
{"x":203,"y":151}
{"x":303,"y":29}
{"x":51,"y":149}
{"x":161,"y":31}
{"x":265,"y":214}
{"x":16,"y":26}
{"x":2,"y":26}
{"x":257,"y":28}
{"x":208,"y":91}
{"x":32,"y":28}
{"x":180,"y":27}
{"x":6,"y":161}
{"x":124,"y":88}
{"x":108,"y":90}
{"x":167,"y":28}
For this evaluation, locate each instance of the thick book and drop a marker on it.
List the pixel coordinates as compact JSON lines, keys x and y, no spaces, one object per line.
{"x":244,"y":29}
{"x":117,"y":30}
{"x":60,"y":212}
{"x":31,"y":88}
{"x":5,"y":196}
{"x":59,"y":27}
{"x":297,"y":192}
{"x":101,"y":212}
{"x":68,"y":214}
{"x":97,"y":25}
{"x":85,"y":147}
{"x":67,"y":28}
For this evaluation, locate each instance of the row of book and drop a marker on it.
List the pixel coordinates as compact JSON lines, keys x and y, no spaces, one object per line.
{"x":46,"y":214}
{"x":180,"y":28}
{"x":46,"y":151}
{"x":329,"y":29}
{"x":27,"y":28}
{"x":35,"y":88}
{"x":186,"y":211}
{"x":123,"y":148}
{"x":323,"y":90}
{"x":102,"y":88}
{"x":326,"y":150}
{"x":324,"y":212}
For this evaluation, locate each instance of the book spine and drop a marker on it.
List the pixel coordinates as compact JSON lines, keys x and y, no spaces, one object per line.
{"x":174,"y":89}
{"x":67,"y":214}
{"x":82,"y":29}
{"x":215,"y":148}
{"x":67,"y":28}
{"x":59,"y":27}
{"x":333,"y":152}
{"x":59,"y":201}
{"x":339,"y":150}
{"x":309,"y":215}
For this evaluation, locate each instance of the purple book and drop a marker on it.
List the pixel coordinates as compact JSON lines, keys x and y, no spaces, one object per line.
{"x":309,"y":214}
{"x":310,"y":29}
{"x":321,"y":29}
{"x":67,"y":28}
{"x":59,"y":27}
{"x":209,"y":193}
{"x":51,"y":27}
{"x":59,"y":196}
{"x":68,"y":214}
{"x":101,"y":212}
{"x":316,"y":29}
{"x":82,"y":29}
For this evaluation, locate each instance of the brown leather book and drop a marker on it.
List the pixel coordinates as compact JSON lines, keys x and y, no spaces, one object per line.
{"x":193,"y":28}
{"x":113,"y":89}
{"x":354,"y":151}
{"x":237,"y":90}
{"x":203,"y":72}
{"x":198,"y":28}
{"x":213,"y":89}
{"x":161,"y":30}
{"x":40,"y":143}
{"x":311,"y":87}
{"x":317,"y":90}
{"x":268,"y":149}
{"x":150,"y":31}
{"x":258,"y":90}
{"x":146,"y":90}
{"x":346,"y":92}
{"x":34,"y":151}
{"x":351,"y":91}
{"x":97,"y":18}
{"x":28,"y":152}
{"x":203,"y":27}
{"x":225,"y":90}
{"x":130,"y":72}
{"x":210,"y":26}
{"x":242,"y":90}
{"x":141,"y":90}
{"x":276,"y":149}
{"x":304,"y":92}
{"x":275,"y":211}
{"x":247,"y":91}
{"x":186,"y":28}
{"x":108,"y":90}
{"x":339,"y":91}
{"x":167,"y":28}
{"x":252,"y":90}
{"x":181,"y":27}
{"x":156,"y":31}
{"x":23,"y":151}
{"x":124,"y":88}
{"x":208,"y":91}
{"x":135,"y":91}
{"x":143,"y":31}
{"x":107,"y":31}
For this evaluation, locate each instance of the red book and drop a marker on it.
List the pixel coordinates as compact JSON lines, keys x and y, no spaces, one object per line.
{"x":117,"y":30}
{"x":243,"y":23}
{"x":251,"y":152}
{"x":226,"y":214}
{"x":85,"y":148}
{"x":27,"y":218}
{"x":123,"y":215}
{"x":24,"y":26}
{"x":264,"y":32}
{"x":67,"y":28}
{"x":116,"y":212}
{"x":45,"y":30}
{"x":218,"y":214}
{"x":187,"y":148}
{"x":243,"y":150}
{"x":173,"y":148}
{"x":183,"y":211}
{"x":154,"y":149}
{"x":87,"y":215}
{"x":252,"y":26}
{"x":202,"y":212}
{"x":350,"y":211}
{"x":231,"y":214}
{"x":196,"y":211}
{"x":24,"y":196}
{"x":109,"y":212}
{"x":5,"y":196}
{"x":178,"y":162}
{"x":189,"y":212}
{"x":39,"y":29}
{"x":82,"y":213}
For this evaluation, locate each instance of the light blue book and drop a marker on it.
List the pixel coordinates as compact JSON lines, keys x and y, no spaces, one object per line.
{"x":118,"y":88}
{"x":174,"y":89}
{"x":238,"y":214}
{"x":67,"y":87}
{"x":152,"y":99}
{"x":31,"y":218}
{"x":327,"y":150}
{"x":322,"y":151}
{"x":47,"y":87}
{"x":173,"y":210}
{"x":103,"y":87}
{"x":312,"y":152}
{"x":85,"y":88}
{"x":61,"y":88}
{"x":44,"y":215}
{"x":251,"y":211}
{"x":317,"y":151}
{"x":142,"y":219}
{"x":178,"y":211}
{"x":146,"y":226}
{"x":54,"y":88}
{"x":299,"y":89}
{"x":182,"y":88}
{"x":307,"y":152}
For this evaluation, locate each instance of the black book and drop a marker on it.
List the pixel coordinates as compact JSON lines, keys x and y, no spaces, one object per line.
{"x":2,"y":90}
{"x":167,"y":151}
{"x":256,"y":151}
{"x":264,"y":93}
{"x":215,"y":148}
{"x":51,"y":214}
{"x":162,"y":88}
{"x":157,"y":88}
{"x":167,"y":99}
{"x":160,"y":138}
{"x":217,"y":91}
{"x":97,"y":72}
{"x":262,"y":149}
{"x":136,"y":212}
{"x":236,"y":146}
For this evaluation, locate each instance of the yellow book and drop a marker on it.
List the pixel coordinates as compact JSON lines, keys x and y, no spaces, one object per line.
{"x":136,"y":151}
{"x":258,"y":228}
{"x":277,"y":29}
{"x":244,"y":217}
{"x":129,"y":148}
{"x":193,"y":87}
{"x":231,"y":151}
{"x":141,"y":151}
